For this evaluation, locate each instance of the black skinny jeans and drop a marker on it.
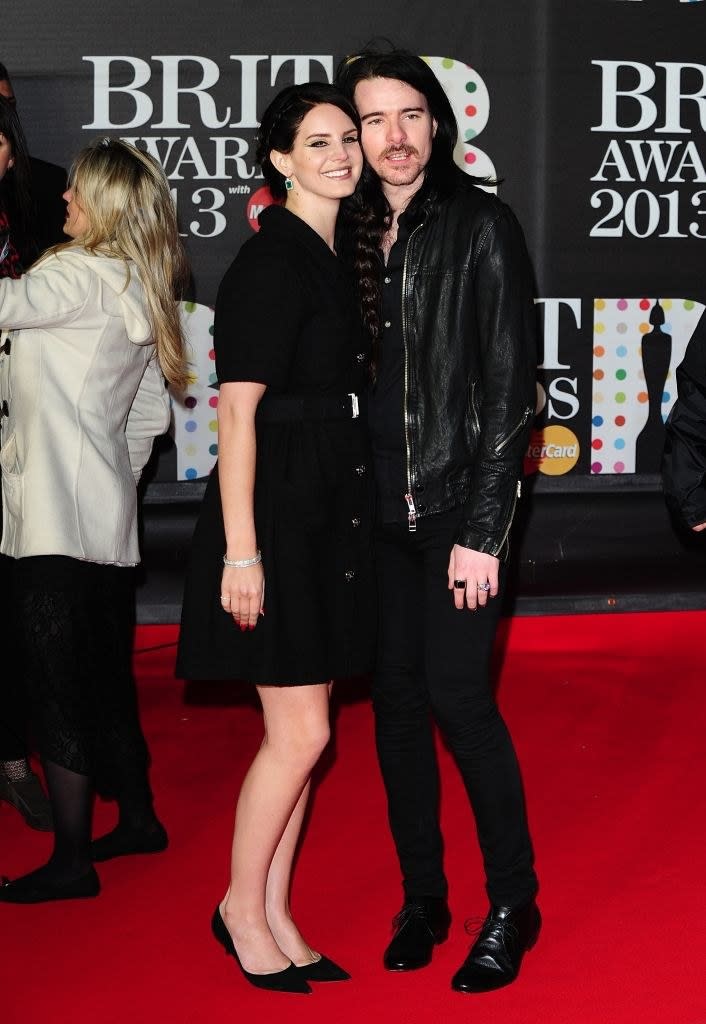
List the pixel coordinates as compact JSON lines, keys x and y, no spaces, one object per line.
{"x":434,"y":663}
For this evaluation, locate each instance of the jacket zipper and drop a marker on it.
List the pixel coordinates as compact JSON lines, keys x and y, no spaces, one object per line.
{"x":500,"y":448}
{"x":409,"y":498}
{"x":518,"y":492}
{"x":476,"y":420}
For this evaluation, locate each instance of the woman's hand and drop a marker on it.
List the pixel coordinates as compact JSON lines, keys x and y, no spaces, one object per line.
{"x":243,"y":594}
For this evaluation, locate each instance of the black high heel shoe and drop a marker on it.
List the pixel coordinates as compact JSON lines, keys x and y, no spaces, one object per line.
{"x":288,"y":980}
{"x":322,"y":969}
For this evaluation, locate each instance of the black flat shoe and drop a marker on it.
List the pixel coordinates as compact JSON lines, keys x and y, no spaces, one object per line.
{"x":123,"y":842}
{"x":322,"y":969}
{"x":33,"y":888}
{"x":496,"y":956}
{"x":418,"y":928}
{"x":288,"y":980}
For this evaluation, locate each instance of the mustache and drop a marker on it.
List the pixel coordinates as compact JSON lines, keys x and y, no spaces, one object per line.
{"x":406,"y":150}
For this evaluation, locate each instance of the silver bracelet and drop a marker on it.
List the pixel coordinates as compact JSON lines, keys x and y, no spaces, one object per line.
{"x":243,"y":563}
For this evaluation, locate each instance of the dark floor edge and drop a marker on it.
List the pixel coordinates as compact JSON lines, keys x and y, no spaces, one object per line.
{"x":556,"y":604}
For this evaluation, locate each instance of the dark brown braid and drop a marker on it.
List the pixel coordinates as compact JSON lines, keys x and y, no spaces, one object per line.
{"x":365,"y":217}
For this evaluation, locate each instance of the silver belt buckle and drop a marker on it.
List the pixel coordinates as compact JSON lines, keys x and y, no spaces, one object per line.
{"x":354,"y":403}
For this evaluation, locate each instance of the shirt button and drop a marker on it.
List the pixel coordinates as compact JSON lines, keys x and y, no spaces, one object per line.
{"x":361,"y":357}
{"x":360,"y":470}
{"x":388,"y":323}
{"x":350,"y":575}
{"x":355,"y":521}
{"x":388,"y":280}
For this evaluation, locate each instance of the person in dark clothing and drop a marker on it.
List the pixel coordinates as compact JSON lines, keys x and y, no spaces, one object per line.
{"x":450,"y":414}
{"x":20,"y":786}
{"x":683,"y":466}
{"x":46,"y":184}
{"x":277,"y":591}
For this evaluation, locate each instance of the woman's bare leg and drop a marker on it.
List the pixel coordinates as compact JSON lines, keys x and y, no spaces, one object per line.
{"x":276,"y":784}
{"x":279,"y":917}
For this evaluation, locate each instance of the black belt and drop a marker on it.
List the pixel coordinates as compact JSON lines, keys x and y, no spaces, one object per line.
{"x":284,"y":408}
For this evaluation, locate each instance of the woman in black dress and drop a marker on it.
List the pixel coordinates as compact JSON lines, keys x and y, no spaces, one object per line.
{"x":278,"y":591}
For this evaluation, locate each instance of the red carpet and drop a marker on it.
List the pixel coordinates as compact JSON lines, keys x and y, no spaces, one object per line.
{"x":609,"y":719}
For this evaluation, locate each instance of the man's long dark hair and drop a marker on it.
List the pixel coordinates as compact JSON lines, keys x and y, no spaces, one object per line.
{"x":369,"y":211}
{"x":441,"y":173}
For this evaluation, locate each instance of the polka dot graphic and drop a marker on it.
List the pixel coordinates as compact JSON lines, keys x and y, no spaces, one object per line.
{"x":194,"y":423}
{"x":619,"y":412}
{"x":470,"y":100}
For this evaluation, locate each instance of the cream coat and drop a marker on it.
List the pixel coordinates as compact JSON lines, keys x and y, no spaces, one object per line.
{"x":85,"y":400}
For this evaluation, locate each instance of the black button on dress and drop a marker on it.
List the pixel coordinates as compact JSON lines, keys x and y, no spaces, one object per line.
{"x":286,"y":316}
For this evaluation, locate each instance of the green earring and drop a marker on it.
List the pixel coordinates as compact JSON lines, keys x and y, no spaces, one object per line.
{"x":288,"y":184}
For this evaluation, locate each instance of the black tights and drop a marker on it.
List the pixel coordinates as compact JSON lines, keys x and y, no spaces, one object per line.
{"x":75,"y":622}
{"x":71,"y":799}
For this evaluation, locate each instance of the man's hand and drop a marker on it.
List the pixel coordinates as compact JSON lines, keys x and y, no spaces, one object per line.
{"x":477,"y":570}
{"x":699,"y":527}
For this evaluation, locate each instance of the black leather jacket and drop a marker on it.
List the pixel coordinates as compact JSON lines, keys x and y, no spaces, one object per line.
{"x":684,"y":457}
{"x":469,"y":331}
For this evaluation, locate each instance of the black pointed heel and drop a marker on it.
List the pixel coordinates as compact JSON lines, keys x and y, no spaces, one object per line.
{"x":288,"y":980}
{"x":322,"y":969}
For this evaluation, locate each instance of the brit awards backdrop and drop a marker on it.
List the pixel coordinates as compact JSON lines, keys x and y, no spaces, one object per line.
{"x":592,"y":117}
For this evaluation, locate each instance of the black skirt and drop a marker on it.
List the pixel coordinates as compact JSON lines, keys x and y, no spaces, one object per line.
{"x":313,"y":517}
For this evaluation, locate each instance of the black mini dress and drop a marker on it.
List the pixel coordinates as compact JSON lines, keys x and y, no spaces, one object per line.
{"x":286,"y":316}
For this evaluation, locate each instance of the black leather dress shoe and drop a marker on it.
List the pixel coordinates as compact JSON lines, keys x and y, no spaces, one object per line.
{"x":418,"y":928}
{"x":496,"y":955}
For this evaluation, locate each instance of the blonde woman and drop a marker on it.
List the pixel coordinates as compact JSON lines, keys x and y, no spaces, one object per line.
{"x":91,"y":333}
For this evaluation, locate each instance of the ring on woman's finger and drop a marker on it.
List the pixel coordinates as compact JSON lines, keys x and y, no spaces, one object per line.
{"x":225,"y":599}
{"x":484,"y":586}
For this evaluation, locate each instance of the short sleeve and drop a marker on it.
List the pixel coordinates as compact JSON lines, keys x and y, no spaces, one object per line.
{"x":258,"y":313}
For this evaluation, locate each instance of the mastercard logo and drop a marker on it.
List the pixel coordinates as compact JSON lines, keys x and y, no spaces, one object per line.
{"x":256,"y":204}
{"x":553,"y":450}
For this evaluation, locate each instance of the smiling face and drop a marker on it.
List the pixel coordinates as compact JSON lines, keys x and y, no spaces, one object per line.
{"x":326,"y":159}
{"x":76,"y":223}
{"x":398,"y":130}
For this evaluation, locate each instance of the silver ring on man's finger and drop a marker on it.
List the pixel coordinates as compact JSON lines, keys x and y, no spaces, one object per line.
{"x":484,"y":586}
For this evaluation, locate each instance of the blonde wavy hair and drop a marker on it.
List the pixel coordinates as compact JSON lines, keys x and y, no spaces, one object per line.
{"x":131,"y":216}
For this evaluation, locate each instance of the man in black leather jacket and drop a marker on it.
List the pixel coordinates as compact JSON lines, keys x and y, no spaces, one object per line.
{"x":450,"y":413}
{"x":684,"y":459}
